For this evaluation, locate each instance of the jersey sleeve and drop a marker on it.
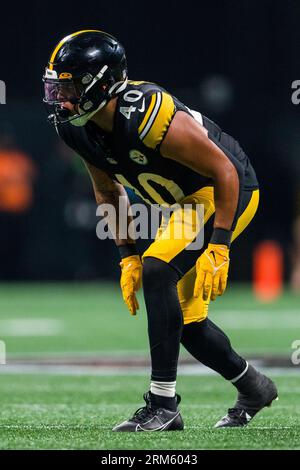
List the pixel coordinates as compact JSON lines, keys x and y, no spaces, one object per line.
{"x":159,"y":111}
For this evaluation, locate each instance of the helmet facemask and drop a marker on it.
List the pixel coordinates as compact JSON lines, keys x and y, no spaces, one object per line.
{"x":86,"y":93}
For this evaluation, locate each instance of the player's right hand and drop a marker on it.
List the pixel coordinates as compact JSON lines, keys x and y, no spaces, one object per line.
{"x":131,"y":281}
{"x":212,"y":272}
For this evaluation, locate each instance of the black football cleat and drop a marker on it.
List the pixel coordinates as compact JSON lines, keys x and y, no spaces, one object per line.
{"x":255,"y":392}
{"x":152,"y":418}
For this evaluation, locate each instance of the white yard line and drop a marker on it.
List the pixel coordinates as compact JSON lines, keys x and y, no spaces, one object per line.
{"x":256,"y":319}
{"x":31,"y":327}
{"x":189,"y":370}
{"x":138,"y":353}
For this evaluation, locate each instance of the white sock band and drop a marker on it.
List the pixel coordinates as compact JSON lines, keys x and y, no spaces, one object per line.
{"x":164,"y":389}
{"x":241,"y":375}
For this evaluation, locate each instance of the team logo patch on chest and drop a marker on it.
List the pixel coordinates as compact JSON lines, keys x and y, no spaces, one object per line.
{"x":138,"y":157}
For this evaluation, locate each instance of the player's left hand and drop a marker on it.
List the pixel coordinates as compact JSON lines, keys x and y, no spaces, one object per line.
{"x":131,"y":281}
{"x":212,"y":272}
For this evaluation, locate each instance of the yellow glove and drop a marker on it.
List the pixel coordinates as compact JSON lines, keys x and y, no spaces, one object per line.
{"x":212,"y":271}
{"x":131,"y":281}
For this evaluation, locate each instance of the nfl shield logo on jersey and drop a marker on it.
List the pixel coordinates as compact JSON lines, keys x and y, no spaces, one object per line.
{"x":138,"y":157}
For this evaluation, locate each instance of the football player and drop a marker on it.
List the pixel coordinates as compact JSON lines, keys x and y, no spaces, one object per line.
{"x":135,"y":134}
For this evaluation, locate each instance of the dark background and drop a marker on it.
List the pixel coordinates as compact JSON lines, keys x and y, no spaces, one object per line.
{"x":233,"y":60}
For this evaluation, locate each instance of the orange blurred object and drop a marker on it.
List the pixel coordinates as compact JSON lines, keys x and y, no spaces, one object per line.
{"x":268,"y":271}
{"x":16,"y":174}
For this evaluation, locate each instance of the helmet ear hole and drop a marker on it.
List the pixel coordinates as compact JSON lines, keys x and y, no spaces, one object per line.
{"x":86,"y":79}
{"x":87,"y":106}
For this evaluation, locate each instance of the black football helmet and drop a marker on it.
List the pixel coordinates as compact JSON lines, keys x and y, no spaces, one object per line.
{"x":87,"y":69}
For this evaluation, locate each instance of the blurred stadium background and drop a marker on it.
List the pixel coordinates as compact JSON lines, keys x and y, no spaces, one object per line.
{"x":72,"y":348}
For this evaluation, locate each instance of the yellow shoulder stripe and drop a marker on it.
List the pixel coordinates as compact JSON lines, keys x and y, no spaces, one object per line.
{"x":162,"y":121}
{"x":61,"y":43}
{"x":136,"y":82}
{"x":157,"y":119}
{"x":148,"y":114}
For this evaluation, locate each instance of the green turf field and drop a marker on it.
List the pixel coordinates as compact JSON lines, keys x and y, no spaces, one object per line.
{"x":89,"y":318}
{"x":63,"y":412}
{"x":58,"y":410}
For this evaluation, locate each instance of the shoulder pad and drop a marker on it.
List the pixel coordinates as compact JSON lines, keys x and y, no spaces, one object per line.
{"x":159,"y":111}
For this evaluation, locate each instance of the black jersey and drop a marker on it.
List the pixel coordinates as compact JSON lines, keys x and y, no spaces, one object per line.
{"x":131,"y":153}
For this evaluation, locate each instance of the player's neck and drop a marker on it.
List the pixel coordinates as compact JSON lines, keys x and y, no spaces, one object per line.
{"x":104,"y":118}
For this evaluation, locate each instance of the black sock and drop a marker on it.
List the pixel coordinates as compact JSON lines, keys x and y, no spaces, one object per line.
{"x":164,"y":317}
{"x":247,"y":384}
{"x":158,"y":401}
{"x":210,"y":345}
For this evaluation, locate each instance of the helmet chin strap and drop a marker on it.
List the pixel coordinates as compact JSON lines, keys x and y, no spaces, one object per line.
{"x":117,"y":87}
{"x":83,"y":117}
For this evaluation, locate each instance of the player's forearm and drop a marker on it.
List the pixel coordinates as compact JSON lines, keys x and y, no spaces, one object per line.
{"x":228,"y":186}
{"x":109,"y":192}
{"x":226,"y":197}
{"x":119,"y":222}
